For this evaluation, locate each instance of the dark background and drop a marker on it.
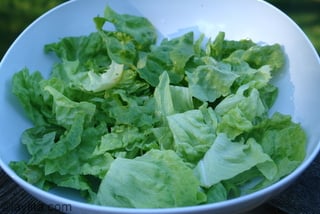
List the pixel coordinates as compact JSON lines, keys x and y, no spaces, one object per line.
{"x":16,"y":15}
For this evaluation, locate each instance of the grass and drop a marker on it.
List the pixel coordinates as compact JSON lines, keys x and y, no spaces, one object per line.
{"x":306,"y":14}
{"x":16,"y":15}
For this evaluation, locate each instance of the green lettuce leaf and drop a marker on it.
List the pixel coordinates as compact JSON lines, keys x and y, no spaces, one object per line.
{"x":216,"y":193}
{"x":209,"y":82}
{"x":131,"y":110}
{"x":90,"y":80}
{"x":171,"y":56}
{"x":26,"y":87}
{"x":126,"y":142}
{"x":257,"y":78}
{"x":90,"y":51}
{"x":162,"y":184}
{"x":64,"y":158}
{"x":171,"y":99}
{"x":226,"y":159}
{"x":258,"y":56}
{"x":255,"y":55}
{"x":193,"y":133}
{"x":284,"y":141}
{"x":221,"y":48}
{"x":66,"y":110}
{"x":139,"y":28}
{"x":240,"y":112}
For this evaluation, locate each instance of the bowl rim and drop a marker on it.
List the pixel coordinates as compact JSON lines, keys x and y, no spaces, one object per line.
{"x":279,"y":185}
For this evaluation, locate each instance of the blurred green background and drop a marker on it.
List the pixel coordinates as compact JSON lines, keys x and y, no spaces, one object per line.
{"x":16,"y":15}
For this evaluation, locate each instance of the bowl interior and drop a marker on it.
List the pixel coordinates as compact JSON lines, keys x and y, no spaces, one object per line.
{"x":239,"y":19}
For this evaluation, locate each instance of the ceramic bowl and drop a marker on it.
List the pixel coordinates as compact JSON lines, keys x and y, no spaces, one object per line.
{"x":299,"y":84}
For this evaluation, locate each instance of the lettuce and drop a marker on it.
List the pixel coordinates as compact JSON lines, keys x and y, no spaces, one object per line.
{"x":229,"y":159}
{"x":193,"y":133}
{"x":239,"y":112}
{"x":171,"y":56}
{"x":157,"y":179}
{"x":209,"y":82}
{"x":171,"y":99}
{"x":130,"y":121}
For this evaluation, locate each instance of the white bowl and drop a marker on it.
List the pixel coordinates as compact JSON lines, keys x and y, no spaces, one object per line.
{"x":255,"y":19}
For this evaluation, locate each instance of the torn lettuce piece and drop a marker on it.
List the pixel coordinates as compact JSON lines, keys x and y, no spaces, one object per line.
{"x":255,"y":55}
{"x":66,"y":110}
{"x":239,"y":112}
{"x":139,"y":28}
{"x":284,"y":141}
{"x":126,"y":141}
{"x":89,"y":80}
{"x":216,"y":193}
{"x":170,"y":56}
{"x":27,"y":88}
{"x":121,"y":47}
{"x":258,"y":56}
{"x":171,"y":99}
{"x":193,"y":132}
{"x":209,"y":82}
{"x":157,"y":179}
{"x":257,"y":78}
{"x":281,"y":137}
{"x":94,"y":82}
{"x":130,"y":110}
{"x":163,"y":100}
{"x":226,"y":159}
{"x":164,"y":137}
{"x":90,"y":51}
{"x":63,"y":158}
{"x":221,"y":48}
